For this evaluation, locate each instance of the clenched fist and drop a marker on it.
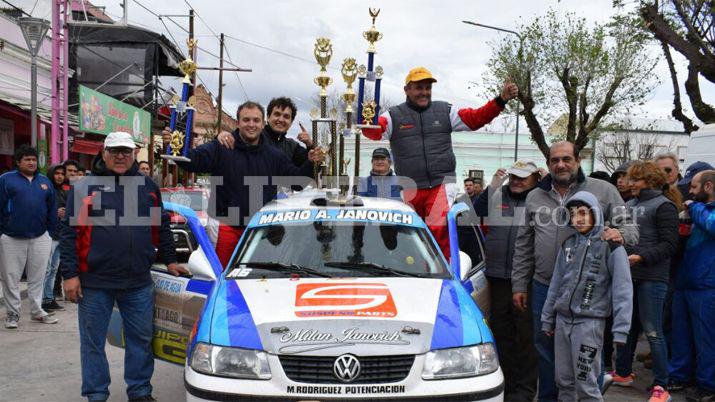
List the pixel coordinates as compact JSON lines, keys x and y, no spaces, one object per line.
{"x":509,"y":91}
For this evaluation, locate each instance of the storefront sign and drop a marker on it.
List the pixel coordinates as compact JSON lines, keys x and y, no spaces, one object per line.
{"x":102,"y":114}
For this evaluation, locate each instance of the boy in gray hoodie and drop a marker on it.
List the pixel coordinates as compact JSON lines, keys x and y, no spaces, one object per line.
{"x":591,"y":278}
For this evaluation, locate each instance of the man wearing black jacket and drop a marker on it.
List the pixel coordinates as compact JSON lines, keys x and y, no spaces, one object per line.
{"x":107,"y":247}
{"x":502,"y":207}
{"x":281,"y":114}
{"x":249,"y":161}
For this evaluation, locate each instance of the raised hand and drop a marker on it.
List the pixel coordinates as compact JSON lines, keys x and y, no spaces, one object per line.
{"x":509,"y":91}
{"x":304,"y":137}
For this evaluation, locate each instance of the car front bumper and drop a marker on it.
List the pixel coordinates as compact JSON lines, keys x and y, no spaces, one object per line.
{"x":201,"y":387}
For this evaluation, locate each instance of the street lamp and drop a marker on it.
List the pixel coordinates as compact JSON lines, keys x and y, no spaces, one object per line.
{"x":34,"y":31}
{"x":521,"y":45}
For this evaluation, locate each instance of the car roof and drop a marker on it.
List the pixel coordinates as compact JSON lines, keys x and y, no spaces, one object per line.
{"x":306,"y":199}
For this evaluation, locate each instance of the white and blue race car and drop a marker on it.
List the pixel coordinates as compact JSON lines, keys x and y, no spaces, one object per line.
{"x":329,"y":300}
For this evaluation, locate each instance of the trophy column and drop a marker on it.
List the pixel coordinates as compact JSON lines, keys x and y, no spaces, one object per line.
{"x":368,"y":110}
{"x":178,"y":148}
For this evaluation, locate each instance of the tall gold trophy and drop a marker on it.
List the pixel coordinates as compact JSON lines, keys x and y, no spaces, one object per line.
{"x":368,"y":110}
{"x":326,"y":174}
{"x":349,"y":73}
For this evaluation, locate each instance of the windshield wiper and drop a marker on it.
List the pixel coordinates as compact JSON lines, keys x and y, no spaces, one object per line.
{"x":279,"y":266}
{"x":373,"y":267}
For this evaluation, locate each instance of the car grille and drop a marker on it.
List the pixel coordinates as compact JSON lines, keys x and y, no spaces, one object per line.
{"x":373,"y":369}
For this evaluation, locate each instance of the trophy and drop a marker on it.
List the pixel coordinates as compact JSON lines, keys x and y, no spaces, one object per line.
{"x":368,"y":111}
{"x":182,"y":107}
{"x":323,"y":51}
{"x":349,"y":73}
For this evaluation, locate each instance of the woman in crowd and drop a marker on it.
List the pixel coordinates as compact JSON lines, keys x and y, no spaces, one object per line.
{"x":654,"y":208}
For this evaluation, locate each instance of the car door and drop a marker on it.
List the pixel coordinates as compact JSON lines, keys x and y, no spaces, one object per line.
{"x":178,"y":301}
{"x":467,"y":249}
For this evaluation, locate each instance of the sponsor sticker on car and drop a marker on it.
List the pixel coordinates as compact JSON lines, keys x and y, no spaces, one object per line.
{"x":353,"y":299}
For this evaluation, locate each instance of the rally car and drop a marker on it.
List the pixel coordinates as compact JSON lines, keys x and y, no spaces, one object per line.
{"x":328,"y":299}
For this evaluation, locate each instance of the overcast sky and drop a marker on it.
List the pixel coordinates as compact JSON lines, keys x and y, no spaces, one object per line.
{"x":416,"y":32}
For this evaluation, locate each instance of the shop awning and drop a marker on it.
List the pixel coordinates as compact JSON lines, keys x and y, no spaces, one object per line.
{"x":87,"y":147}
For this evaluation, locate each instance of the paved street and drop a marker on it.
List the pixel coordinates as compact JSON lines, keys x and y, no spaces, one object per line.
{"x":41,"y":363}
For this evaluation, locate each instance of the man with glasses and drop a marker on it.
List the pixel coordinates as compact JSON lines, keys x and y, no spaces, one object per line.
{"x":120,"y":238}
{"x":544,"y":229}
{"x":502,"y":207}
{"x":668,"y":163}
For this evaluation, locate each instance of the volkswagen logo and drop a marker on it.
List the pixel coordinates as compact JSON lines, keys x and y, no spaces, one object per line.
{"x":346,"y":368}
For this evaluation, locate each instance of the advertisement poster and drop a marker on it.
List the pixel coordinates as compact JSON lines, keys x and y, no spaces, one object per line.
{"x":102,"y":114}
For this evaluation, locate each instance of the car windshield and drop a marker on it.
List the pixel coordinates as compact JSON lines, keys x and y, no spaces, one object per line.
{"x":355,"y":249}
{"x":192,"y":199}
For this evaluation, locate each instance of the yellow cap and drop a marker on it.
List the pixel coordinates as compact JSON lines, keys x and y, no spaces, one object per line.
{"x":419,"y":74}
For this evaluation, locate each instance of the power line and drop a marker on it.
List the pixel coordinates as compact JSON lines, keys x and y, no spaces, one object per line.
{"x":16,"y":7}
{"x":228,"y":54}
{"x":280,"y":52}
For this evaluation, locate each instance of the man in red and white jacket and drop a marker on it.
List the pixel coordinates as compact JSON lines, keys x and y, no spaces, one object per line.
{"x":420,"y":131}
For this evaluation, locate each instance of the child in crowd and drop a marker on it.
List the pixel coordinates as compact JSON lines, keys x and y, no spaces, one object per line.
{"x":591,"y":278}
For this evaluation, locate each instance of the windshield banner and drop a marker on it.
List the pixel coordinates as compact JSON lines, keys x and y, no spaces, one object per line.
{"x":337,"y":215}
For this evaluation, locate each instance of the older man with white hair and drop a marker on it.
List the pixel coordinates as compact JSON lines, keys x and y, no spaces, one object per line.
{"x":119,"y":238}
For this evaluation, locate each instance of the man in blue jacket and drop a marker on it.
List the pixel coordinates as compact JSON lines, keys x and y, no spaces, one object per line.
{"x":693,"y":333}
{"x":114,"y":223}
{"x":27,"y":213}
{"x":251,"y":163}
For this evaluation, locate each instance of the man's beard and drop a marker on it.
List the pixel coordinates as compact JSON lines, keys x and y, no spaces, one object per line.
{"x":701,"y":196}
{"x":572,"y":178}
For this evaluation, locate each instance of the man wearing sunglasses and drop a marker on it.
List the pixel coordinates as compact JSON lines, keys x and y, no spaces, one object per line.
{"x":668,"y":163}
{"x":107,"y":246}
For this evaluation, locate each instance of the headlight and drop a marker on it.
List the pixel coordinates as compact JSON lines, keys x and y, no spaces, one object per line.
{"x":460,"y":362}
{"x":230,"y":362}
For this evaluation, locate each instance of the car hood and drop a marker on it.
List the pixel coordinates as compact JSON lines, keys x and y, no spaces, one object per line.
{"x":365,"y":316}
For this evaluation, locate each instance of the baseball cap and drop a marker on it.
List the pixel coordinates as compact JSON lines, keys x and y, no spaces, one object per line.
{"x":118,"y":139}
{"x":419,"y":74}
{"x":694,"y":169}
{"x":381,"y":153}
{"x":522,"y":168}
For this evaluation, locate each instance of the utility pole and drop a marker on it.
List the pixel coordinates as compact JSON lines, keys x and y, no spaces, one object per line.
{"x":220,"y":89}
{"x":193,"y":56}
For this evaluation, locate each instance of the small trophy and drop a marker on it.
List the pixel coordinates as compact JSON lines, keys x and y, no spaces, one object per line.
{"x":323,"y":51}
{"x":368,"y":111}
{"x":182,"y":107}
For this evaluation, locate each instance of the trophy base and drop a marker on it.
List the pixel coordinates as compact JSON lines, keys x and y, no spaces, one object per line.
{"x":368,"y":126}
{"x":173,"y":159}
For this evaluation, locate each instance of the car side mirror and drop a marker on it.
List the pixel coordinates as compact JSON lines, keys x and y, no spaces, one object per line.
{"x":465,"y":265}
{"x":200,"y":267}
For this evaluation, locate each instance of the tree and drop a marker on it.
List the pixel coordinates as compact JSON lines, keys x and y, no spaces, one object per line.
{"x":564,"y":66}
{"x":622,"y":142}
{"x":688,"y":26}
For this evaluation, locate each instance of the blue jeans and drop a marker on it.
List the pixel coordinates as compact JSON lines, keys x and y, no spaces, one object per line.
{"x":694,"y":338}
{"x":544,"y":346}
{"x":136,"y":307}
{"x":54,"y":262}
{"x":649,"y":299}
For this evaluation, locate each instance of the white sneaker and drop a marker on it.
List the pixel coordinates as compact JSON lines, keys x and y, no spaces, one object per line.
{"x":11,"y":321}
{"x":44,"y":319}
{"x":607,"y":381}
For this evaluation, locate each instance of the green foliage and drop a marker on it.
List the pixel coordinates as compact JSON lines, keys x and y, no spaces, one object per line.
{"x":568,"y":66}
